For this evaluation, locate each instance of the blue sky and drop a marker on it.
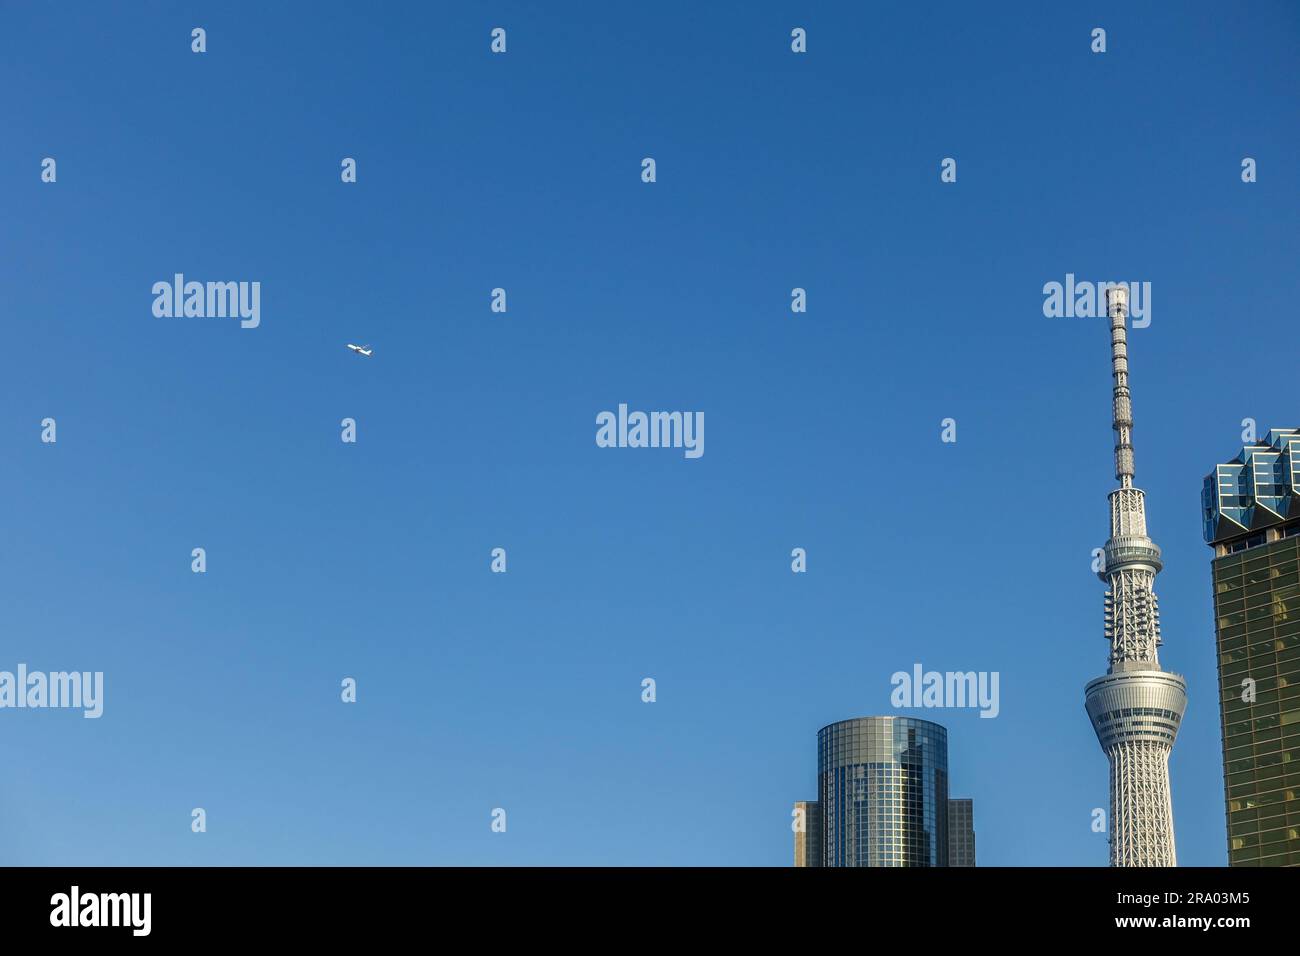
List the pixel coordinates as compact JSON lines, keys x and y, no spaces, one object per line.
{"x":476,"y":430}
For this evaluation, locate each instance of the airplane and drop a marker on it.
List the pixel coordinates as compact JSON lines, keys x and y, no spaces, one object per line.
{"x":361,"y":349}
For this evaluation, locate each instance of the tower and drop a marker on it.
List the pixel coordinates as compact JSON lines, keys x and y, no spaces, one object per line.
{"x":1136,"y":708}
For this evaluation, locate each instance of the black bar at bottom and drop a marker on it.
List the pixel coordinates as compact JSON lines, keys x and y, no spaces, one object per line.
{"x":376,"y":905}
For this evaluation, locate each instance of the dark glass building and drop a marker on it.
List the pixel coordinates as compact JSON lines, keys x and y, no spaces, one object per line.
{"x":882,"y":789}
{"x":1251,"y":508}
{"x":961,"y":833}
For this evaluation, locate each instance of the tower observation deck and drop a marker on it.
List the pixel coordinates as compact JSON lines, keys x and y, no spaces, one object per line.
{"x":1135,"y":708}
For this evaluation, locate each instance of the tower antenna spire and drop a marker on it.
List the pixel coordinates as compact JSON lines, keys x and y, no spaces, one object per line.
{"x":1122,"y":402}
{"x":1136,"y":708}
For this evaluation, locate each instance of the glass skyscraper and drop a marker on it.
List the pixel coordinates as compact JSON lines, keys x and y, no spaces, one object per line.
{"x":1251,"y":509}
{"x":882,"y":795}
{"x":961,"y":833}
{"x":808,"y":836}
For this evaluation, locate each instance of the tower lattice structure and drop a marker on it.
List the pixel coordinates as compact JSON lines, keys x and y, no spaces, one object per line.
{"x":1136,"y":708}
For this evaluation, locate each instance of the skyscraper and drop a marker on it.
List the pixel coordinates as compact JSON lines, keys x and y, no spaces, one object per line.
{"x":808,"y":837}
{"x":1136,"y":708}
{"x":1251,"y":507}
{"x":961,"y":832}
{"x":882,"y":788}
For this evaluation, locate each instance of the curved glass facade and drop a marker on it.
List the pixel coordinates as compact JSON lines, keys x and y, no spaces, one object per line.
{"x":882,"y":783}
